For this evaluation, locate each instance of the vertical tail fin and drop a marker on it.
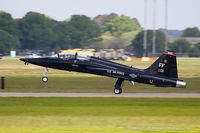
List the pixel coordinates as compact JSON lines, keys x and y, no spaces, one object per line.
{"x":165,"y":65}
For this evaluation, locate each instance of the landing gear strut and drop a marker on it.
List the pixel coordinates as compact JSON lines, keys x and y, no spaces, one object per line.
{"x":45,"y":78}
{"x":118,"y":86}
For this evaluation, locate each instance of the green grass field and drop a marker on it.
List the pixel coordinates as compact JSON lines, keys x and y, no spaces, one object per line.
{"x":108,"y":115}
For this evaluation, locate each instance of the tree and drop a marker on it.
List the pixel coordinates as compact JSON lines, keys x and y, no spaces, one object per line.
{"x":197,"y":46}
{"x":121,"y":24}
{"x":6,"y":22}
{"x":37,"y":31}
{"x":138,"y":42}
{"x":195,"y":51}
{"x":62,"y":40}
{"x":191,"y":32}
{"x":117,"y":31}
{"x":82,"y":31}
{"x":180,"y":46}
{"x":8,"y":42}
{"x":102,"y":20}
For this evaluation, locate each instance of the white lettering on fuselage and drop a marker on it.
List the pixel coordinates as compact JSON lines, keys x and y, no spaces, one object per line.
{"x":115,"y":72}
{"x":74,"y":65}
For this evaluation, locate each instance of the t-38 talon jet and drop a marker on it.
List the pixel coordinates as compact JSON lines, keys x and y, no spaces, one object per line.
{"x":162,"y":73}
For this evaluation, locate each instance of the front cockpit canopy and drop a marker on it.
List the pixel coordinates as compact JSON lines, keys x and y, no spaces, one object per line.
{"x":73,"y":56}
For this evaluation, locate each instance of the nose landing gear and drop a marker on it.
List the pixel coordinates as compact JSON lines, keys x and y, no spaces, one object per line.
{"x":45,"y":78}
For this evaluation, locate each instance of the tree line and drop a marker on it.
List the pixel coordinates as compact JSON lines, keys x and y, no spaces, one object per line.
{"x":181,"y":45}
{"x":37,"y":31}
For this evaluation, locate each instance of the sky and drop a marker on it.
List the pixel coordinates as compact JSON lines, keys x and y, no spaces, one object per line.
{"x":181,"y":13}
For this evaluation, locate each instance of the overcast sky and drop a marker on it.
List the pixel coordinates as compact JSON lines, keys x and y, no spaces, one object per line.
{"x":182,"y":13}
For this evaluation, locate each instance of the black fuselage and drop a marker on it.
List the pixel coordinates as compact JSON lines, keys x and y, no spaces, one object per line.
{"x":103,"y":67}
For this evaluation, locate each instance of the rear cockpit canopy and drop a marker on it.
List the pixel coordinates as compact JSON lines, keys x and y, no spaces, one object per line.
{"x":73,"y":56}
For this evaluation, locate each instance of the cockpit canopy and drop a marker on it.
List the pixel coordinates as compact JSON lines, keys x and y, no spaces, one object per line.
{"x":73,"y":56}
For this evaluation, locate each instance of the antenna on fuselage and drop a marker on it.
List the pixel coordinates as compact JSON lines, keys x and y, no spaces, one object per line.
{"x":76,"y":54}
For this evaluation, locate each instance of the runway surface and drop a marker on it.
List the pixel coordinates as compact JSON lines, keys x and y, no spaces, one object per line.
{"x":130,"y":95}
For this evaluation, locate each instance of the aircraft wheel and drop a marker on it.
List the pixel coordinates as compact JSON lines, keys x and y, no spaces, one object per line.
{"x":117,"y":91}
{"x":45,"y":79}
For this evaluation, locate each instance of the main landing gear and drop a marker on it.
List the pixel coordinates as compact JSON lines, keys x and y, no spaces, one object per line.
{"x":45,"y":78}
{"x":118,"y":86}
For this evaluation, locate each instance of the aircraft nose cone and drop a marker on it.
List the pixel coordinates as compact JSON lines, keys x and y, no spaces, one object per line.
{"x":26,"y":61}
{"x":23,"y":59}
{"x":35,"y":61}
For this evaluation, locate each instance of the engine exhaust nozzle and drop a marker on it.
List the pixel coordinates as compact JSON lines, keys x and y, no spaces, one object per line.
{"x":180,"y":84}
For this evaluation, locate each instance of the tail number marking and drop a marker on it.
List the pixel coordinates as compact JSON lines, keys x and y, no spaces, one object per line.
{"x":161,"y":70}
{"x":161,"y":66}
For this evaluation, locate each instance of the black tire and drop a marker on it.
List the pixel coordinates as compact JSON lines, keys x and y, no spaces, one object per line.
{"x":45,"y":79}
{"x":117,"y":91}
